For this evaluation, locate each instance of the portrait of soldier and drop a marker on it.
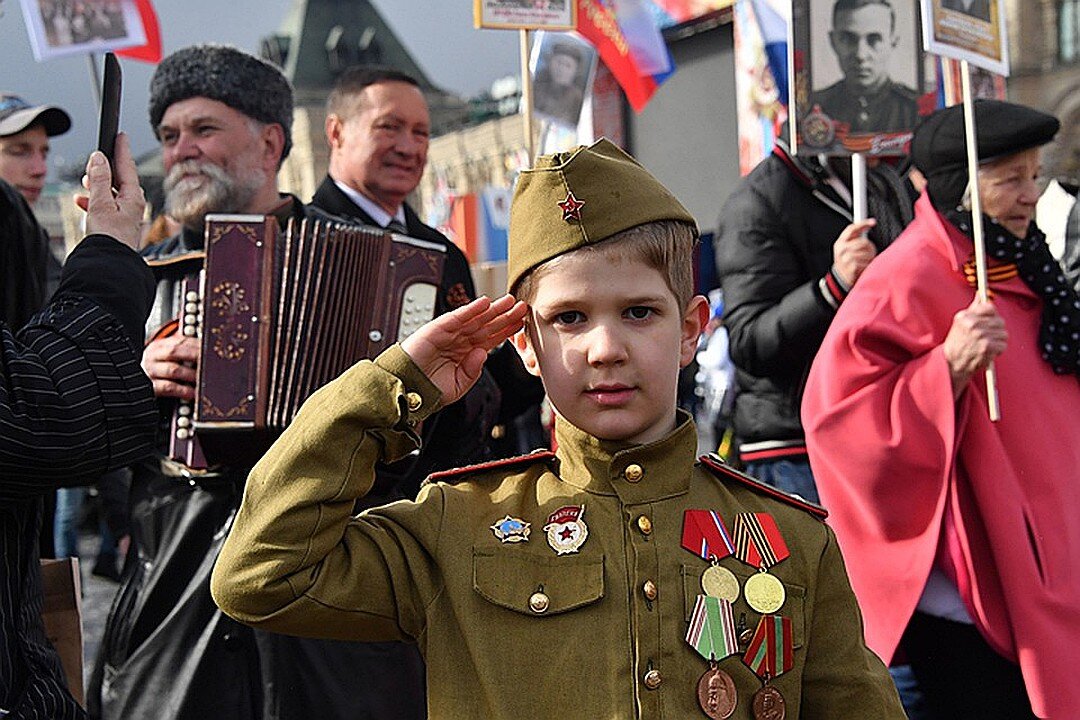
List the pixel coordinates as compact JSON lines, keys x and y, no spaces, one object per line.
{"x":864,"y":36}
{"x":559,"y":88}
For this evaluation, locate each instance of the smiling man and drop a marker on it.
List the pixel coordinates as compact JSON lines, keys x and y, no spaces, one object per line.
{"x":864,"y":36}
{"x":378,"y":128}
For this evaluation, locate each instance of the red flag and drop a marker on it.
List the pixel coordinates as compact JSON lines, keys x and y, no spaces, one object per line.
{"x":597,"y":24}
{"x":151,"y":51}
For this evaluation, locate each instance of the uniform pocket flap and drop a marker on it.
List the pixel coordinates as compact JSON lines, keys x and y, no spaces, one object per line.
{"x":536,"y":585}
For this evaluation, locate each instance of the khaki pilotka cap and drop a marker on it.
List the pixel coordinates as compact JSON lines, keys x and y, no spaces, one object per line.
{"x":580,"y":197}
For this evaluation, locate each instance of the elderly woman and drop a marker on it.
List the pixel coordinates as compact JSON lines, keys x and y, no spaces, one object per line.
{"x":961,"y":535}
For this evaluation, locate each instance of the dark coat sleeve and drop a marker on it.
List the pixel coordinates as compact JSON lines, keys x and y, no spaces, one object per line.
{"x":774,"y":311}
{"x":74,"y":401}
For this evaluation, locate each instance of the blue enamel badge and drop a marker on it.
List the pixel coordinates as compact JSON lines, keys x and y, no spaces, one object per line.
{"x":511,"y":530}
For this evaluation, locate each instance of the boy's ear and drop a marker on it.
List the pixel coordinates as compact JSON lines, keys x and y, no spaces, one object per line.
{"x":523,"y":345}
{"x":694,"y":321}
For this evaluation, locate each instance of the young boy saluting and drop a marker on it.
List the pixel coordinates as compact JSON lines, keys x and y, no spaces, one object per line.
{"x":614,"y":578}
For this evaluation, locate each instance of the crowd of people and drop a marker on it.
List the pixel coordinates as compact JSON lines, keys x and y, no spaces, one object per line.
{"x":394,"y":555}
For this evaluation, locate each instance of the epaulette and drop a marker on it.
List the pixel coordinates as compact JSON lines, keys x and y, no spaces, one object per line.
{"x":725,"y":472}
{"x":459,"y":474}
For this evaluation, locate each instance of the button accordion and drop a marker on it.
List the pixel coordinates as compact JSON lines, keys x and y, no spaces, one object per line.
{"x":279,"y":314}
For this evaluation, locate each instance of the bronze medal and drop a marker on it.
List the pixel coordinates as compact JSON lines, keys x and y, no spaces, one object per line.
{"x":768,"y":704}
{"x":716,"y":694}
{"x":764,"y":593}
{"x":719,"y":582}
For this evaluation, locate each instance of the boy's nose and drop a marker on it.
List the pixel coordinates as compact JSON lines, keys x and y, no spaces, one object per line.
{"x":605,"y":346}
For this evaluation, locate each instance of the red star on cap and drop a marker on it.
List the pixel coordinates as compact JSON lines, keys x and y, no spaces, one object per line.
{"x":571,"y":207}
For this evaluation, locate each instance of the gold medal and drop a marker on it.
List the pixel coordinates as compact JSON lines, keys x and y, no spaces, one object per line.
{"x":719,"y":582}
{"x":764,"y":593}
{"x":768,"y":704}
{"x":716,"y":694}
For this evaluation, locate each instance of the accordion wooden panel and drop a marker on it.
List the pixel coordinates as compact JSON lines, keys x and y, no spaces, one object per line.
{"x":279,"y":314}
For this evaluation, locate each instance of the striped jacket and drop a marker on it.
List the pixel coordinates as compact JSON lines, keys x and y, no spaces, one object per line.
{"x":74,"y":403}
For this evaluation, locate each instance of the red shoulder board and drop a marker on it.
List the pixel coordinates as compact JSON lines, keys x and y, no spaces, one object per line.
{"x":461,"y":473}
{"x":724,"y":471}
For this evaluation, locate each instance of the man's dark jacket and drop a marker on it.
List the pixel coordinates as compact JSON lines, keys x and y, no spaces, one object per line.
{"x":73,"y":403}
{"x":773,"y":249}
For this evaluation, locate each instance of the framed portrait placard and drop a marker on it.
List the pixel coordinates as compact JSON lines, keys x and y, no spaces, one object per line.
{"x":972,"y":30}
{"x":562,"y":69}
{"x":525,"y":14}
{"x":59,"y":28}
{"x":860,"y":78}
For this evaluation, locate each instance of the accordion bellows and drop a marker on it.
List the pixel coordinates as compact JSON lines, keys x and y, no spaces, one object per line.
{"x":280,"y":314}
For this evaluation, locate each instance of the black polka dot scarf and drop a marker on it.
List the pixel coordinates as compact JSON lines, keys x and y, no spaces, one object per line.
{"x":1059,"y":331}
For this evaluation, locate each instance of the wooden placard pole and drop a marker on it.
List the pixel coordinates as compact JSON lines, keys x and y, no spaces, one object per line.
{"x":858,"y":187}
{"x":982,"y":287}
{"x":526,"y":95}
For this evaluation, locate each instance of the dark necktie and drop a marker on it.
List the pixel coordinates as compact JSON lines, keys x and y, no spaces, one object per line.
{"x":396,"y":226}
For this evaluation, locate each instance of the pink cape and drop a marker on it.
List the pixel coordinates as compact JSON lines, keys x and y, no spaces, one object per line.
{"x":908,"y":475}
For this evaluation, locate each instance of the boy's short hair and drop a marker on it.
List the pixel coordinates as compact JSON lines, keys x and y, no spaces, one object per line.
{"x":583,"y":197}
{"x":667,"y":246}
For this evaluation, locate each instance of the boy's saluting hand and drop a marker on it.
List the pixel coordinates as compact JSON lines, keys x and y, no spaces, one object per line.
{"x":452,"y":348}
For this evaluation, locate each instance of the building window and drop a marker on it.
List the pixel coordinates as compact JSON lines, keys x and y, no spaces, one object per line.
{"x":1068,"y":30}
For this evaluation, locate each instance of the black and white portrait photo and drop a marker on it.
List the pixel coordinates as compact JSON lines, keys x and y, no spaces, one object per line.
{"x":562,"y":65}
{"x":864,"y":63}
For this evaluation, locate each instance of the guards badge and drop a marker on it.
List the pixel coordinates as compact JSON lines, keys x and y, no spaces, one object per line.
{"x":566,"y":529}
{"x":511,"y":530}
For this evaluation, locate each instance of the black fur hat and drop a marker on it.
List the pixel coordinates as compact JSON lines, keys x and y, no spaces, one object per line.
{"x":219,"y":72}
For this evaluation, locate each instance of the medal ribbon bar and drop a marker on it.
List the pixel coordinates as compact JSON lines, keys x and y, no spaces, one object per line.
{"x":771,"y":651}
{"x":758,"y":541}
{"x":705,"y":534}
{"x":712,"y":628}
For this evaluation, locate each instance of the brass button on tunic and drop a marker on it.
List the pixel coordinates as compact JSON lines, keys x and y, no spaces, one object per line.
{"x":633,"y":473}
{"x":539,"y":603}
{"x":649,"y":588}
{"x":644,"y":524}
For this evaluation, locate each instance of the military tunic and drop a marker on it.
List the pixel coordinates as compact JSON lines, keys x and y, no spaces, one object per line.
{"x":513,"y":629}
{"x":890,"y":108}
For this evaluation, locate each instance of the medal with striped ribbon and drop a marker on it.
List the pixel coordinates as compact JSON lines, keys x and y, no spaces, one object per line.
{"x":758,"y":543}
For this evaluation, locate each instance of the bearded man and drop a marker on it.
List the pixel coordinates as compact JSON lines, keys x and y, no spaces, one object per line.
{"x":224,"y":119}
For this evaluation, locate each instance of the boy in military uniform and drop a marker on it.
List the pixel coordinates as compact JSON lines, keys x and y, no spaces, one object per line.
{"x":613,"y":578}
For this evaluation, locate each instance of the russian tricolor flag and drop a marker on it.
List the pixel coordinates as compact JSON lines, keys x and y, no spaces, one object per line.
{"x":630,"y":44}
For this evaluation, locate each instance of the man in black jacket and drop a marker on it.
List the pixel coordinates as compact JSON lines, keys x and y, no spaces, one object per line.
{"x":73,"y":404}
{"x":787,"y":253}
{"x":378,"y":129}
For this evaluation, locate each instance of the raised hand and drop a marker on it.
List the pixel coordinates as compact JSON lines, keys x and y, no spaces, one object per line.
{"x":452,"y":348}
{"x":118,"y":215}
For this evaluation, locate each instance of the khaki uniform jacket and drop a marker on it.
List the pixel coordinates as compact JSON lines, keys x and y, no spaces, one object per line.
{"x":433,"y":572}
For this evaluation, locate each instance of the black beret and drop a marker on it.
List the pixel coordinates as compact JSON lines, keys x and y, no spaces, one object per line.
{"x":1003,"y":128}
{"x":219,"y":72}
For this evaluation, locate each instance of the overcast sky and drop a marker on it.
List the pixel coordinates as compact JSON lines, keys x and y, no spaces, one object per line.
{"x":440,"y":36}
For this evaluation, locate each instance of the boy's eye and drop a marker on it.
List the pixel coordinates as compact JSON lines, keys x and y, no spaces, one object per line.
{"x":569,"y":317}
{"x":639,"y":312}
